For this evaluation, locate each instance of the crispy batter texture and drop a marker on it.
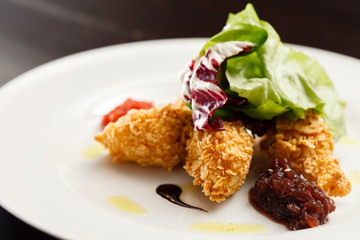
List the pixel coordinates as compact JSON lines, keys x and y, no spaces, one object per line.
{"x":308,"y":145}
{"x":152,"y":137}
{"x":219,"y":161}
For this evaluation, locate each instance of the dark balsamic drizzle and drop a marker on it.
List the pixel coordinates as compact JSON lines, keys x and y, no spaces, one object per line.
{"x":172,"y":193}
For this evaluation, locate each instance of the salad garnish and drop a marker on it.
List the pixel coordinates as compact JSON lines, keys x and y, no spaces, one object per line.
{"x":273,"y":78}
{"x":201,"y":90}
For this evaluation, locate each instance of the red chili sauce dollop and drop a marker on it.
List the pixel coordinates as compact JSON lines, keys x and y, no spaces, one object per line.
{"x":122,"y":109}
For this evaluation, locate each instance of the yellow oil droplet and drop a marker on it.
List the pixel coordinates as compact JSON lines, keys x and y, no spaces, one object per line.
{"x":223,"y":227}
{"x":355,"y":177}
{"x":95,"y":151}
{"x":348,"y":141}
{"x":126,"y":204}
{"x":188,"y":188}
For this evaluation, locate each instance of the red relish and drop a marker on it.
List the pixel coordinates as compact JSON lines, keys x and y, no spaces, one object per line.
{"x":289,"y":197}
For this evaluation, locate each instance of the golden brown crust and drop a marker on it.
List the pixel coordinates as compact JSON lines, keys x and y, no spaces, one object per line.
{"x":308,"y":145}
{"x":152,"y":137}
{"x":219,"y":161}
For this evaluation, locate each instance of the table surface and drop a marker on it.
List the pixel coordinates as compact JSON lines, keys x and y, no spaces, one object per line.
{"x":33,"y":32}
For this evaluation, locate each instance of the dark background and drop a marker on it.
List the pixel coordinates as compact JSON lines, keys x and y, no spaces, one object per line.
{"x":33,"y":32}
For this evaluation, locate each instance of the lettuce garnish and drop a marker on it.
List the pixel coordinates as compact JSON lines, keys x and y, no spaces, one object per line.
{"x":273,"y":78}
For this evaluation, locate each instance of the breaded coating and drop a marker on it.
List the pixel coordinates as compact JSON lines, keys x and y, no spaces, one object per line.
{"x":152,"y":137}
{"x":307,"y":144}
{"x":219,"y":160}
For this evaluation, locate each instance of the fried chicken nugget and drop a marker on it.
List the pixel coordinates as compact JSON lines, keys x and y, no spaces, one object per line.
{"x":308,"y":145}
{"x":219,"y":160}
{"x":152,"y":137}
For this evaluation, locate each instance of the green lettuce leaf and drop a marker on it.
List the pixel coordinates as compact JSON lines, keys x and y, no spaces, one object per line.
{"x":240,"y":27}
{"x":274,"y":78}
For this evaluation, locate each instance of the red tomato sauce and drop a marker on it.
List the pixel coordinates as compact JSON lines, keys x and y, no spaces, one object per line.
{"x":122,"y":109}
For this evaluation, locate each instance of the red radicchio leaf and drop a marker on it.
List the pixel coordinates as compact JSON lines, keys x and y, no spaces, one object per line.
{"x":200,"y":88}
{"x":185,"y":76}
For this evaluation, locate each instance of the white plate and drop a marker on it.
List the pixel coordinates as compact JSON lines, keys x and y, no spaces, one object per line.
{"x":50,"y":115}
